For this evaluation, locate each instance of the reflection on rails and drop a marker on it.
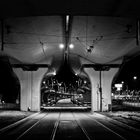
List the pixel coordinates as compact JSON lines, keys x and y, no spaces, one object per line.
{"x":67,"y":125}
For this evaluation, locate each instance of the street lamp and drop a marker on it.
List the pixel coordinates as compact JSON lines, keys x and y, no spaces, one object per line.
{"x":135,"y":82}
{"x":122,"y":85}
{"x":61,"y":46}
{"x":71,"y":46}
{"x":135,"y":77}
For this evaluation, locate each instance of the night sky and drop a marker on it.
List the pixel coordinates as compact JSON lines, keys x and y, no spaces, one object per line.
{"x":9,"y":84}
{"x":128,"y":71}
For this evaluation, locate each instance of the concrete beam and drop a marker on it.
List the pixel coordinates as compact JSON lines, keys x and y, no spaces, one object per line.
{"x":30,"y":67}
{"x":100,"y":67}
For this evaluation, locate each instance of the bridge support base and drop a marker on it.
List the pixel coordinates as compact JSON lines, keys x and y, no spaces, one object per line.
{"x":30,"y":82}
{"x":101,"y":82}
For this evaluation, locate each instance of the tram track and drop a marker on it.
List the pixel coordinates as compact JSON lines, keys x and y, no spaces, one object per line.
{"x":101,"y":131}
{"x":109,"y":129}
{"x":55,"y":128}
{"x":70,"y":127}
{"x":81,"y":127}
{"x":44,"y":128}
{"x":2,"y":130}
{"x":120,"y":123}
{"x":66,"y":126}
{"x":17,"y":130}
{"x":119,"y":130}
{"x":30,"y":127}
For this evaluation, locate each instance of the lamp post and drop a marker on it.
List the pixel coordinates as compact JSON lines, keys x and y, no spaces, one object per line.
{"x":134,"y":82}
{"x":135,"y":77}
{"x":100,"y":89}
{"x":122,"y":85}
{"x":2,"y":34}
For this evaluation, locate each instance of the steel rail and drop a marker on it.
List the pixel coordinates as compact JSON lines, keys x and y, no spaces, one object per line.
{"x":55,"y":128}
{"x":81,"y":127}
{"x":6,"y":128}
{"x":106,"y":127}
{"x":27,"y":130}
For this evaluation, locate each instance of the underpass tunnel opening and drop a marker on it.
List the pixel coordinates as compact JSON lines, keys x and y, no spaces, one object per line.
{"x":9,"y":86}
{"x":66,"y":90}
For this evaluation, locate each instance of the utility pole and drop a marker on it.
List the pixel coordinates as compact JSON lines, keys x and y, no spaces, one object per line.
{"x":100,"y":88}
{"x":66,"y":54}
{"x":2,"y":35}
{"x":138,"y":32}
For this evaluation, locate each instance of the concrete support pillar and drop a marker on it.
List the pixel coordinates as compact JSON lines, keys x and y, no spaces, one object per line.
{"x":30,"y":82}
{"x":105,"y":79}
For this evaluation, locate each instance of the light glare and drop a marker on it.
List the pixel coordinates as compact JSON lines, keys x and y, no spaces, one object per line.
{"x":71,"y":46}
{"x":61,"y":46}
{"x":135,"y":77}
{"x":54,"y":73}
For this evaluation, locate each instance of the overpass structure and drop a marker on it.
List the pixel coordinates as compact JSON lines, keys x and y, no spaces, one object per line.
{"x":95,"y":42}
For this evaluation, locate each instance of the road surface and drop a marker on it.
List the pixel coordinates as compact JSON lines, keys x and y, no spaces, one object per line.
{"x":68,"y":126}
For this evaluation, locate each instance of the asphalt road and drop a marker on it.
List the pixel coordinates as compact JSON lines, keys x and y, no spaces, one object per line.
{"x":68,"y":126}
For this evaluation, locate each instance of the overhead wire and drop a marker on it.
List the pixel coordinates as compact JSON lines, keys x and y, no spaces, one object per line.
{"x":83,"y":57}
{"x":105,"y":39}
{"x":42,"y":45}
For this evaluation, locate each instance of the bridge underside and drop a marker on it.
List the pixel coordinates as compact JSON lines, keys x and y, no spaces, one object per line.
{"x":30,"y":96}
{"x":94,"y":45}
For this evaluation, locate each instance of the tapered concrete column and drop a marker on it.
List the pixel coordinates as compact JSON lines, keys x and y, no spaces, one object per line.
{"x":101,"y":79}
{"x":30,"y":82}
{"x":94,"y":79}
{"x":107,"y":77}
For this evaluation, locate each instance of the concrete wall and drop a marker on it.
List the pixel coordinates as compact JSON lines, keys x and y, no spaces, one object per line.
{"x":107,"y":77}
{"x":94,"y":79}
{"x":30,"y":82}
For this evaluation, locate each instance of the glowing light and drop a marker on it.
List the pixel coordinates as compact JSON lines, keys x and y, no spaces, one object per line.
{"x":71,"y":46}
{"x":61,"y":46}
{"x":85,"y":82}
{"x":59,"y":84}
{"x":67,"y":22}
{"x":67,"y":19}
{"x":118,"y":85}
{"x":135,"y":77}
{"x":54,"y":73}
